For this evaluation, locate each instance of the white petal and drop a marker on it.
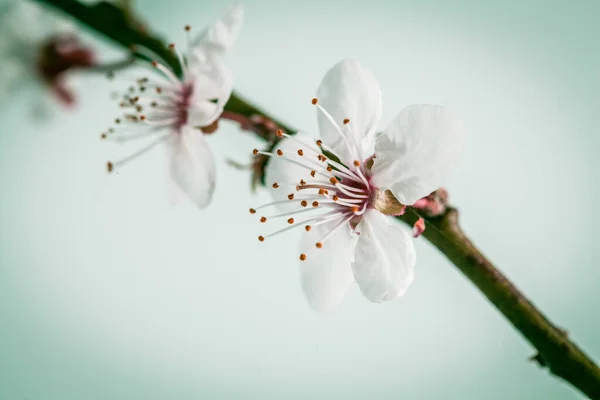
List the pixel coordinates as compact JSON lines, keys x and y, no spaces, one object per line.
{"x":220,"y":36}
{"x":213,"y":84}
{"x":349,"y":91}
{"x":326,"y":273}
{"x":416,"y":153}
{"x":202,"y":112}
{"x":288,"y":174}
{"x":192,"y":165}
{"x":384,"y":258}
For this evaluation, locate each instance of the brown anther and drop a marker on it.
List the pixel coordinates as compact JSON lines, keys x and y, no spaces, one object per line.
{"x":143,"y":117}
{"x":300,"y":152}
{"x":263,"y":219}
{"x":252,"y":211}
{"x":346,"y":120}
{"x":279,"y":152}
{"x":329,"y":168}
{"x":302,"y":257}
{"x":302,"y":182}
{"x":117,"y":121}
{"x":321,"y":191}
{"x":103,"y":136}
{"x":171,"y":46}
{"x":290,"y":221}
{"x":154,"y":64}
{"x":139,"y":108}
{"x":255,"y":151}
{"x":275,"y":185}
{"x":319,"y":245}
{"x":314,"y":101}
{"x":154,"y":104}
{"x":315,"y":204}
{"x":291,"y":196}
{"x":335,"y":197}
{"x":303,"y":203}
{"x":326,"y":191}
{"x":279,"y":133}
{"x":261,"y":238}
{"x":307,"y":228}
{"x":188,"y":28}
{"x":356,"y":163}
{"x":333,"y":180}
{"x":319,"y":143}
{"x":109,"y":166}
{"x":355,"y":209}
{"x":313,"y":173}
{"x":158,"y":90}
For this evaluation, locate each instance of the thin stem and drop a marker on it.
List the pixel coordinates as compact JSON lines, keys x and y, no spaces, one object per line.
{"x":555,"y":349}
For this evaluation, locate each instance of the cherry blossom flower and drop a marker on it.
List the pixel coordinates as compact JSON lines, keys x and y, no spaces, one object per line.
{"x":350,"y":181}
{"x":176,"y":110}
{"x":36,"y":46}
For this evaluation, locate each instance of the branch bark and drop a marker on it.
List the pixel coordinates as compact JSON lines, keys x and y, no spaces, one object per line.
{"x":555,"y":350}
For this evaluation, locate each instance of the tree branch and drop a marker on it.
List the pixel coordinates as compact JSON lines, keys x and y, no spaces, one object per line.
{"x":555,"y":350}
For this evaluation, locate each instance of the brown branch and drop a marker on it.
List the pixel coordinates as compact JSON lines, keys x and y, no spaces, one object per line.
{"x":555,"y":350}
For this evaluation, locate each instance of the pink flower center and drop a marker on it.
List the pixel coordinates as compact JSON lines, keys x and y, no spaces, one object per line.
{"x":335,"y":192}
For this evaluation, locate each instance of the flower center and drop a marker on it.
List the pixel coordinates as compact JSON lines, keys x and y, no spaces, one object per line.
{"x":182,"y":105}
{"x":335,"y":192}
{"x":152,"y":108}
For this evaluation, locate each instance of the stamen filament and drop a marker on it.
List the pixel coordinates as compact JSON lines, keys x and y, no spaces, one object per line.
{"x":168,"y":73}
{"x":301,"y":223}
{"x":337,"y":128}
{"x":285,"y":214}
{"x":329,"y":234}
{"x":138,"y":153}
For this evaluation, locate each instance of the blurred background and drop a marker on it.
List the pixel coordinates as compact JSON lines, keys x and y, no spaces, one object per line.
{"x":107,"y":291}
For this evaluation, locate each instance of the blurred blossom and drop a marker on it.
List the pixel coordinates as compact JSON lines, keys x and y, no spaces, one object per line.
{"x":37,"y":50}
{"x":351,"y":236}
{"x":176,"y":110}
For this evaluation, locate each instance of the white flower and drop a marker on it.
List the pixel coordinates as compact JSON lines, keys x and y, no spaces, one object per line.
{"x":171,"y":108}
{"x":351,"y":236}
{"x":36,"y":46}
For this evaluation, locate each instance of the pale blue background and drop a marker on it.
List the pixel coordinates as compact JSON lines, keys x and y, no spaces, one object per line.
{"x":108,"y":292}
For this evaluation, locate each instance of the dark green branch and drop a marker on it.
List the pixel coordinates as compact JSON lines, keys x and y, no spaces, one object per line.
{"x":555,"y":350}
